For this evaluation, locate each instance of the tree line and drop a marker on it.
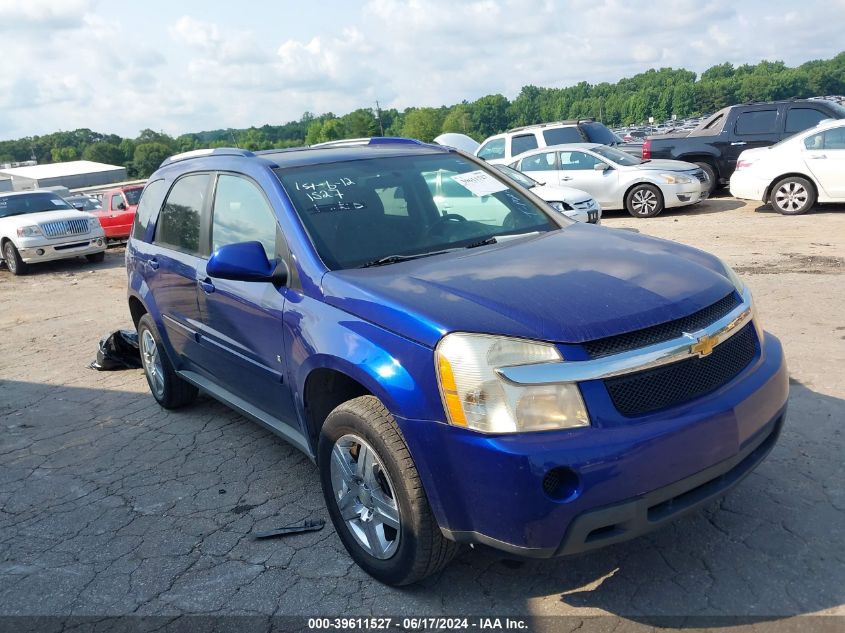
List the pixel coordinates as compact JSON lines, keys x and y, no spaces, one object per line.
{"x":658,"y":93}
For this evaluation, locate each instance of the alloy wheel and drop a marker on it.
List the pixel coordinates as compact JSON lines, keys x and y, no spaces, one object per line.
{"x":644,"y":201}
{"x":152,"y":363}
{"x":791,"y":196}
{"x":9,"y":256}
{"x":365,"y":496}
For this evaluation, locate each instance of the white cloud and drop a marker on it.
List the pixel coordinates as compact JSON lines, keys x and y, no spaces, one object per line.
{"x":74,"y":64}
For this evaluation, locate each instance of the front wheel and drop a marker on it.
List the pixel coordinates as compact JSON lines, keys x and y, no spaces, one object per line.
{"x":644,"y":201}
{"x":712,"y":183}
{"x":793,"y":196}
{"x":13,"y":260}
{"x":374,"y":495}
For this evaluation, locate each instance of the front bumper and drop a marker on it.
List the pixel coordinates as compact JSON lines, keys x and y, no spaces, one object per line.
{"x":33,"y":251}
{"x":631,"y":478}
{"x":681,"y":195}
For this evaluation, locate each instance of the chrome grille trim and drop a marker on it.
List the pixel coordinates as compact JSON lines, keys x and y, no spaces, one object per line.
{"x":664,"y":353}
{"x":64,"y":228}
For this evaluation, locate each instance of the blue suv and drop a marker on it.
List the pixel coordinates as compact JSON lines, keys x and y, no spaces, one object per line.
{"x":464,"y":364}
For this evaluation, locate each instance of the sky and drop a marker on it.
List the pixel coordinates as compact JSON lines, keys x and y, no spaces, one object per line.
{"x":186,"y":66}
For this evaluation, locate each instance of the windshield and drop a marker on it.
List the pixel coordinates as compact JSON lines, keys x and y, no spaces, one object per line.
{"x":133,"y":195}
{"x":362,"y":211}
{"x":522,"y":179}
{"x":617,"y":156}
{"x":30,"y":203}
{"x":598,"y":133}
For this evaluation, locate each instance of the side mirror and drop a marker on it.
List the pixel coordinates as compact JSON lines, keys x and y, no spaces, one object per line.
{"x":121,"y":206}
{"x":79,"y":207}
{"x":601,"y":166}
{"x":246,"y":261}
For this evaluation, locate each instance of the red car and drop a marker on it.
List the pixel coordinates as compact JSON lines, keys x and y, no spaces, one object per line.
{"x":118,"y":211}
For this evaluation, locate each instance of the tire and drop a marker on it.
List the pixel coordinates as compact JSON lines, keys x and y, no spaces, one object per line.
{"x":407,"y":544}
{"x":792,"y":195}
{"x":96,"y":258}
{"x":712,"y":183}
{"x":13,"y":259}
{"x":169,"y":390}
{"x":644,"y":201}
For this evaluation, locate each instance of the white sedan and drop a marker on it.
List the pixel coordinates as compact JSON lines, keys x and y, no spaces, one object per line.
{"x":573,"y":203}
{"x":797,"y":172}
{"x":616,"y":179}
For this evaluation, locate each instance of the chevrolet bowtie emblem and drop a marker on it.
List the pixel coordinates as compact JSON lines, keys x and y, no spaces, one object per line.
{"x":704,"y":346}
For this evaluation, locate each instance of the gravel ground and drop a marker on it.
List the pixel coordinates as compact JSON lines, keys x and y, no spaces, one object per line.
{"x":110,"y":505}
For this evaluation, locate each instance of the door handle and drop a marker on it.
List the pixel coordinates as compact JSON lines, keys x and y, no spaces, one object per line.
{"x":153,"y":263}
{"x":819,"y":157}
{"x":738,"y":143}
{"x":206,"y":285}
{"x":567,"y":178}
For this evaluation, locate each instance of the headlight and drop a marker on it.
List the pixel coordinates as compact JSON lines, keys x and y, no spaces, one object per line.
{"x":676,"y":179}
{"x":30,"y":231}
{"x":558,"y":206}
{"x":93,"y":224}
{"x":733,"y":277}
{"x":477,"y":397}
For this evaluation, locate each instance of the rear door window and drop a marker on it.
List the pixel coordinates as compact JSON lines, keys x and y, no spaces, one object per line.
{"x":178,"y":225}
{"x":522,"y":144}
{"x":800,"y":119}
{"x":757,"y":122}
{"x":539,"y":162}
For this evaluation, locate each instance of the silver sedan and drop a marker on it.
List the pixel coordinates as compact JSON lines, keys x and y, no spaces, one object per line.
{"x":615,"y":179}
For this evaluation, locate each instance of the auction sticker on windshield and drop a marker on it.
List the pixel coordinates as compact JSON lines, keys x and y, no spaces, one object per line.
{"x":480,"y":183}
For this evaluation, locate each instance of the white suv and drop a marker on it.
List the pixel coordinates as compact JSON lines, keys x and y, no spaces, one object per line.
{"x":502,"y":149}
{"x":39,"y":226}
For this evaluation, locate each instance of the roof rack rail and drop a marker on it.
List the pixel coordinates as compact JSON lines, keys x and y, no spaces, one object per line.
{"x":200,"y":153}
{"x":566,"y":122}
{"x":369,"y":140}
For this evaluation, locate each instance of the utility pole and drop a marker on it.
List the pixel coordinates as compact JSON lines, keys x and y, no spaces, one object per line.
{"x":378,"y":116}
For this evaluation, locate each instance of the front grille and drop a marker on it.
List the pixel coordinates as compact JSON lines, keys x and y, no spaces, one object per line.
{"x":663,"y":331}
{"x":64,"y":228}
{"x":653,"y":389}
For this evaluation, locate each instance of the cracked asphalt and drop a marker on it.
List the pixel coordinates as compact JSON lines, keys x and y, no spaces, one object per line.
{"x":110,"y":505}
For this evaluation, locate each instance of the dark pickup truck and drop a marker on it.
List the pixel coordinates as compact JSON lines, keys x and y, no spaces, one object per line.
{"x":718,"y":141}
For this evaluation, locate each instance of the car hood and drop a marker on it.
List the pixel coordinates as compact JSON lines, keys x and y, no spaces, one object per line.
{"x":28,"y":219}
{"x":569,"y":286}
{"x":667,"y":165}
{"x":554,"y":193}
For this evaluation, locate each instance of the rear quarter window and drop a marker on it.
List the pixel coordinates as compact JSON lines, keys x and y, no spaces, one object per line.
{"x":148,"y":208}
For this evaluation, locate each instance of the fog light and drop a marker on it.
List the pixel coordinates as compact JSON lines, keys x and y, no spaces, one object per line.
{"x":40,"y":251}
{"x":99,"y":241}
{"x":562,"y":484}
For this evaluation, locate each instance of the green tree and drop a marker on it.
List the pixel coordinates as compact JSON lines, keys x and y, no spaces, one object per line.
{"x":422,"y":123}
{"x":360,"y":123}
{"x":458,"y":120}
{"x":490,"y":115}
{"x":63,"y":154}
{"x":148,"y":157}
{"x":107,"y":153}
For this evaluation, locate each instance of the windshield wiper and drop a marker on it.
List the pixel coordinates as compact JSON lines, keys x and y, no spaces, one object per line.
{"x":392,"y":259}
{"x":484,"y":242}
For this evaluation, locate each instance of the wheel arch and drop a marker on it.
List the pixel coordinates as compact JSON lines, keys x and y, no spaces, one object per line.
{"x":794,"y":174}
